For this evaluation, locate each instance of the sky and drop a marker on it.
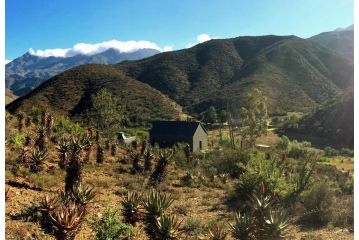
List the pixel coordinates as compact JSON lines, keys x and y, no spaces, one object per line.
{"x":167,"y":25}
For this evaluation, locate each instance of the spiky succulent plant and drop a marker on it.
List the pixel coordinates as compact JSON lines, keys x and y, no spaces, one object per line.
{"x":63,"y":148}
{"x":168,"y":227}
{"x":46,"y":206}
{"x":113,"y":149}
{"x":37,"y":160}
{"x":83,"y":195}
{"x":161,"y":169}
{"x":148,"y":158}
{"x":41,"y":138}
{"x":131,"y":203}
{"x":276,"y":225}
{"x":100,"y":154}
{"x":135,"y":159}
{"x":243,"y":227}
{"x":217,"y":233}
{"x":49,"y":122}
{"x":155,"y":205}
{"x":67,"y":221}
{"x":75,"y":166}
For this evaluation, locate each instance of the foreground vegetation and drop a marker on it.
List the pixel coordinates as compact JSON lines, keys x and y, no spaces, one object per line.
{"x":64,"y":180}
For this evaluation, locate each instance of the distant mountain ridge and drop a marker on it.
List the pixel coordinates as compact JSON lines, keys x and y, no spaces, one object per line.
{"x":295,"y":74}
{"x":28,"y":71}
{"x":340,"y":40}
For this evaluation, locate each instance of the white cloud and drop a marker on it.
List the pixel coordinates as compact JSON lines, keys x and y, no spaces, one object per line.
{"x":167,"y":48}
{"x":203,"y":37}
{"x":91,"y":49}
{"x":7,"y":61}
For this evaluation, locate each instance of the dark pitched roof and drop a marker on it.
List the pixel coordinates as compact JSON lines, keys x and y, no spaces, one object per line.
{"x":179,"y":128}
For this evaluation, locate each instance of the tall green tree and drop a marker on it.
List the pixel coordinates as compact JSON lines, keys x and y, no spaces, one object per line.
{"x":106,"y":113}
{"x":223,"y":116}
{"x":210,"y":115}
{"x":253,"y":117}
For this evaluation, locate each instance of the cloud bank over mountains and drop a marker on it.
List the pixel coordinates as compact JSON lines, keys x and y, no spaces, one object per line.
{"x":121,"y":46}
{"x":92,"y":49}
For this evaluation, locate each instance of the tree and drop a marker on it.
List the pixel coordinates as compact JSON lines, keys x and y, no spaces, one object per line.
{"x":223,"y":116}
{"x":253,"y":117}
{"x":210,"y":115}
{"x":106,"y":112}
{"x":283,"y":145}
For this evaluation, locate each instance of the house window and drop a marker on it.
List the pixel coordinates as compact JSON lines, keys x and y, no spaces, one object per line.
{"x":200,"y":144}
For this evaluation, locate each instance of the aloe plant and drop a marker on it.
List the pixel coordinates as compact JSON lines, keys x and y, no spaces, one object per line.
{"x":217,"y":233}
{"x":113,"y":149}
{"x":41,"y":138}
{"x":100,"y":154}
{"x":63,"y":148}
{"x":161,"y":169}
{"x":135,"y":159}
{"x":155,"y":205}
{"x":47,"y":205}
{"x":49,"y":122}
{"x":37,"y":160}
{"x":75,"y":166}
{"x":243,"y":227}
{"x":43,"y":119}
{"x":131,"y":203}
{"x":148,"y":158}
{"x":83,"y":194}
{"x":28,"y":139}
{"x":67,"y":221}
{"x":168,"y":228}
{"x":276,"y":225}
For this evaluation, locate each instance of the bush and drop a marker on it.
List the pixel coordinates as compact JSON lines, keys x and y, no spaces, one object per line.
{"x":317,"y":201}
{"x":347,"y":152}
{"x":330,"y":152}
{"x":259,"y":172}
{"x":342,"y":214}
{"x":110,"y":227}
{"x":229,"y":161}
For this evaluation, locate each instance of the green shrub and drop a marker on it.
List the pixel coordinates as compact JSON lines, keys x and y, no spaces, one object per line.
{"x":342,"y":214}
{"x":330,"y":152}
{"x":18,"y":140}
{"x":110,"y":227}
{"x":258,"y":172}
{"x":317,"y":201}
{"x":347,"y":152}
{"x":229,"y":161}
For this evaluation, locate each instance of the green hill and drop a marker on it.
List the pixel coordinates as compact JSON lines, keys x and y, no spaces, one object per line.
{"x":70,"y":93}
{"x":334,"y":122}
{"x":339,"y":41}
{"x":295,"y":74}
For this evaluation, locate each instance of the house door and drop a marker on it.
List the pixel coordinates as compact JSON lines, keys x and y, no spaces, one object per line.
{"x":200,"y":145}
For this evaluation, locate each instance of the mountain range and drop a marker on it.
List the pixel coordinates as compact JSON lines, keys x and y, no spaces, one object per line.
{"x":295,"y":74}
{"x":341,"y":40}
{"x":25,"y":73}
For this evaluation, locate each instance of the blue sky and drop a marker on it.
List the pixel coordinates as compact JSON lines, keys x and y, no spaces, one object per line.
{"x":48,"y":24}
